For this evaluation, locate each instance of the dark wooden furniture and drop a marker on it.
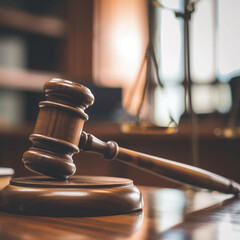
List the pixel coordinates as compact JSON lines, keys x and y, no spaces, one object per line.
{"x":167,"y":214}
{"x":217,"y":154}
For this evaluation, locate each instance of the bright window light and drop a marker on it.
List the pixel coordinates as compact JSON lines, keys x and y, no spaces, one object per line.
{"x":222,"y":97}
{"x":210,"y":98}
{"x":169,"y":102}
{"x":202,"y":99}
{"x":169,"y":43}
{"x":202,"y":42}
{"x":121,"y":38}
{"x":228,"y":39}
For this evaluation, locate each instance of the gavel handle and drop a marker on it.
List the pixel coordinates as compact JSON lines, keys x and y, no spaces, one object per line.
{"x":172,"y":170}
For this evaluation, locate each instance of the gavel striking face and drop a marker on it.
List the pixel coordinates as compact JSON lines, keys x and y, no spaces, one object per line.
{"x":58,"y":129}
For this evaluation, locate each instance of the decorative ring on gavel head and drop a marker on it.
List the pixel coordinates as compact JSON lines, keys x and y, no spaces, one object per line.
{"x":58,"y":129}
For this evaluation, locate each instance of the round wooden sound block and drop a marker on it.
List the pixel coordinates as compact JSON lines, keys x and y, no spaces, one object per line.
{"x":77,"y":196}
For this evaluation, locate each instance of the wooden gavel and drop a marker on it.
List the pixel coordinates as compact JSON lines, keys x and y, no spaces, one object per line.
{"x":58,"y":135}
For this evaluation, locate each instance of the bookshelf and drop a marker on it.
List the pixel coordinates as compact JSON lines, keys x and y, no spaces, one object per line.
{"x":40,"y":40}
{"x":28,"y":22}
{"x":22,"y":79}
{"x":45,"y":39}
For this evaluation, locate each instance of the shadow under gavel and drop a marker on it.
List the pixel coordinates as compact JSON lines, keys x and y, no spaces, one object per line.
{"x":58,"y":135}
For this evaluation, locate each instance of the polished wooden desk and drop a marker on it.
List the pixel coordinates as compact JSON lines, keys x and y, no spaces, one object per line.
{"x":168,"y":214}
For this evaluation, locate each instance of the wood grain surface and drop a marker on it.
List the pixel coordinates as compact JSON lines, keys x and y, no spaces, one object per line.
{"x":168,"y":214}
{"x":76,"y":197}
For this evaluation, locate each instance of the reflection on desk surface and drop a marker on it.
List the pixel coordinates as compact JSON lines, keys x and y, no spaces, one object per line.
{"x":168,"y":214}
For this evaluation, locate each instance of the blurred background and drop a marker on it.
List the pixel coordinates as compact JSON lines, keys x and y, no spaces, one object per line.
{"x":132,"y":55}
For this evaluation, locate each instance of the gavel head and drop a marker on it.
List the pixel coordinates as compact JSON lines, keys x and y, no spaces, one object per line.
{"x":58,"y":129}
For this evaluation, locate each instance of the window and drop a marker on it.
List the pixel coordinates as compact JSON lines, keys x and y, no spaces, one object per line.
{"x":120,"y":40}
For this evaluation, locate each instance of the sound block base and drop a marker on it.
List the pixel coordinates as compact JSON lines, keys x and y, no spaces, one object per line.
{"x":76,"y":197}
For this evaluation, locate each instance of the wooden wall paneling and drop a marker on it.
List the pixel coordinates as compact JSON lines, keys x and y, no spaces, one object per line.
{"x":77,"y":57}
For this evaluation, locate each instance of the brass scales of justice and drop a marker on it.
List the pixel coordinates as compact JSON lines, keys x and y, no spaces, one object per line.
{"x":57,"y":192}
